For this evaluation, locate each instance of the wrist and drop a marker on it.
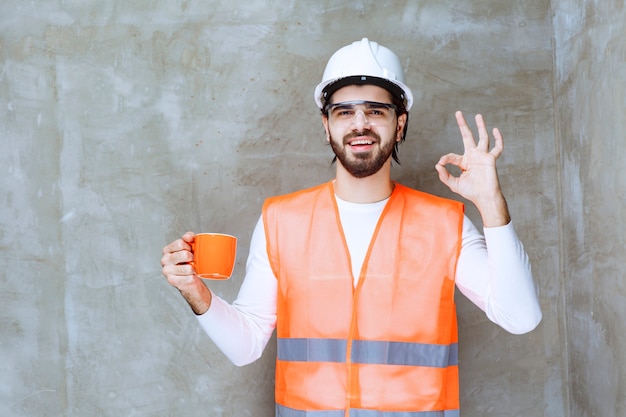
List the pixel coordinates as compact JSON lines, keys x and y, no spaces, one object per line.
{"x":494,"y":213}
{"x":198,"y":296}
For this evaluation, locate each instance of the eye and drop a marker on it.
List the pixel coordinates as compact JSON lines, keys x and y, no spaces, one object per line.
{"x":377,"y":111}
{"x":343,"y":111}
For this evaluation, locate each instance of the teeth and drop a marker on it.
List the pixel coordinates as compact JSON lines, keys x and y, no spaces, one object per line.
{"x":361,"y":142}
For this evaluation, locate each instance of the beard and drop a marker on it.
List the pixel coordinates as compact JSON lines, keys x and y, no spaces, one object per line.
{"x":363,"y":164}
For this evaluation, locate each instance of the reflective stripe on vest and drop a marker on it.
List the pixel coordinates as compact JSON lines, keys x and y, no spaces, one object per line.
{"x":368,"y":351}
{"x":355,"y":412}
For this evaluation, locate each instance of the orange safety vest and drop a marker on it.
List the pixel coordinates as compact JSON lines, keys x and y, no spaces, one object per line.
{"x":390,"y":344}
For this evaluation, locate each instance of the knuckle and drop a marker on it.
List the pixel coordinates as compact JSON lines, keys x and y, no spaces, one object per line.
{"x":182,"y":257}
{"x":176,"y":245}
{"x":167,"y":271}
{"x":178,"y":274}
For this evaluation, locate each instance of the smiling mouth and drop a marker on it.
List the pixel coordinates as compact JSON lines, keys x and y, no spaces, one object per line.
{"x":361,"y":142}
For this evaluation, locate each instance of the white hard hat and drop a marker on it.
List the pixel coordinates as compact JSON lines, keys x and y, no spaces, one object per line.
{"x":363,"y":62}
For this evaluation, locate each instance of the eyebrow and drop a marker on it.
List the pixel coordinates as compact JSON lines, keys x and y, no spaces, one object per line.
{"x":345,"y":104}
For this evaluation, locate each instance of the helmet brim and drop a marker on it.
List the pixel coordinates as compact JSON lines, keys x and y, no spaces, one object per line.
{"x":326,"y":89}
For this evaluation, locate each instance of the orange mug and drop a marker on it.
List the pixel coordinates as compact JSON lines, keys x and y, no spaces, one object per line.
{"x":214,"y":255}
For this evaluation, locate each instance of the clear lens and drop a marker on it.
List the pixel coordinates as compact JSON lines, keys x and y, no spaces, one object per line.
{"x":373,"y":112}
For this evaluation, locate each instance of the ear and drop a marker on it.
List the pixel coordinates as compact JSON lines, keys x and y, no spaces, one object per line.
{"x":400,"y":126}
{"x":325,"y":123}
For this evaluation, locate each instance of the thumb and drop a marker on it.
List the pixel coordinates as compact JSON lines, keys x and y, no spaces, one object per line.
{"x":189,"y":237}
{"x":444,"y":175}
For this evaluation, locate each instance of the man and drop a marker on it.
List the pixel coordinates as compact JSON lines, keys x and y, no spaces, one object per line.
{"x":358,"y":275}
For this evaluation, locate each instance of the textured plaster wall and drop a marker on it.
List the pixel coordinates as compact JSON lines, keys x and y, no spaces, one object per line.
{"x":590,"y":74}
{"x":124,"y":124}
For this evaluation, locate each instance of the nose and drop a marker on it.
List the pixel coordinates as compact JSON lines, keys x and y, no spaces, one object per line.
{"x":360,"y":120}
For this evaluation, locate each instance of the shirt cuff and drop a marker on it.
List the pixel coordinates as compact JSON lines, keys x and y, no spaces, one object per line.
{"x":215,"y":314}
{"x":506,"y":232}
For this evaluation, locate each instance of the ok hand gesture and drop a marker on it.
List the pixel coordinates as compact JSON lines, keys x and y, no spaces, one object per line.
{"x":478,"y":181}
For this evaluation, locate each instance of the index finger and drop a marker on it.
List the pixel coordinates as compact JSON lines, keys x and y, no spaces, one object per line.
{"x":466,"y":132}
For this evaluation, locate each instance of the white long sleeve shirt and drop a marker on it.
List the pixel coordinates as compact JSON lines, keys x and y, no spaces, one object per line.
{"x":493,"y":271}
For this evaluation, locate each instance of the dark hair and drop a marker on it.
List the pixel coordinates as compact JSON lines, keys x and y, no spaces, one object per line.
{"x":401,"y":110}
{"x":397,"y":98}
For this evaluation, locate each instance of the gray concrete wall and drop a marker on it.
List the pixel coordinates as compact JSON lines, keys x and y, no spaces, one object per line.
{"x":590,"y":74}
{"x":124,"y":124}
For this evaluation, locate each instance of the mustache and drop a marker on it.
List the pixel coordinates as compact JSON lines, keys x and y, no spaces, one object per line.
{"x":365,"y":132}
